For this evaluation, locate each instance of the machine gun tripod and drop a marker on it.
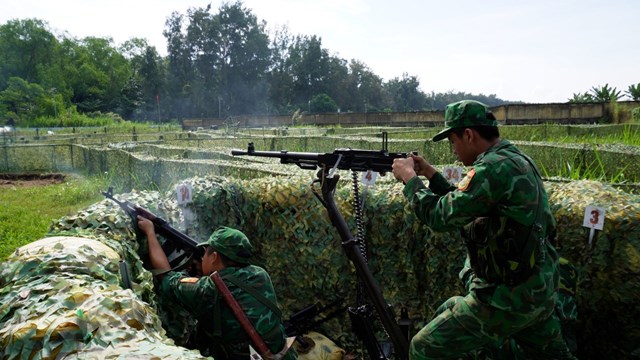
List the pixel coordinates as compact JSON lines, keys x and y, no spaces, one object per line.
{"x":362,"y":314}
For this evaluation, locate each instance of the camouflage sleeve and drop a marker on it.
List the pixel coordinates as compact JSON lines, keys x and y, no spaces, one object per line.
{"x":439,"y":185}
{"x":455,"y":208}
{"x":185,"y":290}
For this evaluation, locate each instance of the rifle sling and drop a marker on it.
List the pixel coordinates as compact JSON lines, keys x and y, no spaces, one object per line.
{"x":181,"y":266}
{"x":261,"y":298}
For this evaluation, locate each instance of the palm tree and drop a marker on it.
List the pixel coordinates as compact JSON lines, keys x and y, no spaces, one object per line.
{"x":634,"y":92}
{"x":605,"y":93}
{"x":581,"y":98}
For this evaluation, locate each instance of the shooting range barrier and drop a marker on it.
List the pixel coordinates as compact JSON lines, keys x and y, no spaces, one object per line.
{"x":162,"y":163}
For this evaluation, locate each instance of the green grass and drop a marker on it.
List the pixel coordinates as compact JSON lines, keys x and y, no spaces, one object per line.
{"x":27,"y":212}
{"x":627,"y":137}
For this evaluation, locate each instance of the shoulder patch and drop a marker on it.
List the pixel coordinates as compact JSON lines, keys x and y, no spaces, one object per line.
{"x":464,"y":183}
{"x":189,"y":280}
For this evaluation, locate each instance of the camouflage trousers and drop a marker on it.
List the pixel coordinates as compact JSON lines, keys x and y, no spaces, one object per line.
{"x":464,"y":324}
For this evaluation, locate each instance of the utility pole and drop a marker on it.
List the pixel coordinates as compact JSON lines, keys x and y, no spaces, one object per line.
{"x":55,"y":106}
{"x":365,"y":112}
{"x":158,"y":107}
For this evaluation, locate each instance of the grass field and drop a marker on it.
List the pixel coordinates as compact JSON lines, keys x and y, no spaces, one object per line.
{"x":27,"y":211}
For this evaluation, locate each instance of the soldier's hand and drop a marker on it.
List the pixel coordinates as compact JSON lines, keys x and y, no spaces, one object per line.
{"x":403,"y":169}
{"x":145,"y":225}
{"x":422,"y":166}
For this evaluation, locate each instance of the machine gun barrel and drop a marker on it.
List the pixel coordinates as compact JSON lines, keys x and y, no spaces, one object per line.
{"x":304,"y":160}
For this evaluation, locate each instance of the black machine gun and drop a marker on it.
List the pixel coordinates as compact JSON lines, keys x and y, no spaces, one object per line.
{"x":343,"y":159}
{"x":179,"y":247}
{"x":362,"y":316}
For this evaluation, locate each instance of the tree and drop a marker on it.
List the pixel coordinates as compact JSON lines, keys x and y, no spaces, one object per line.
{"x":99,"y":76}
{"x":302,"y":69}
{"x":279,"y":75}
{"x":605,"y":93}
{"x":336,"y":83}
{"x":633,"y":92}
{"x":28,"y":51}
{"x":179,"y":67}
{"x":581,"y":98}
{"x":365,"y":89}
{"x":323,"y":103}
{"x":405,"y":94}
{"x":147,"y":84}
{"x":243,"y":58}
{"x":222,"y":59}
{"x":24,"y":101}
{"x":309,"y":66}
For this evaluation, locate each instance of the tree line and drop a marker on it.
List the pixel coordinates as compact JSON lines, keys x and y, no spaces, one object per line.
{"x":606,"y":93}
{"x":219,"y":64}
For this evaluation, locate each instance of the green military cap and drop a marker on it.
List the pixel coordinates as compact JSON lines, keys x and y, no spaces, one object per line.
{"x":465,"y":113}
{"x":231,"y":243}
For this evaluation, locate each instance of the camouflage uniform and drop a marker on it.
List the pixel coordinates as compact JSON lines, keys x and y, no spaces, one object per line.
{"x":511,"y":271}
{"x":566,"y":306}
{"x":223,"y":335}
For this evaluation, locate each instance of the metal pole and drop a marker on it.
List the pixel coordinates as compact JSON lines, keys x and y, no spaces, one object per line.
{"x":55,"y":106}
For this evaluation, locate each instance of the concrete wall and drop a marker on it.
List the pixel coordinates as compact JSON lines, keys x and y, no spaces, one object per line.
{"x":564,"y":113}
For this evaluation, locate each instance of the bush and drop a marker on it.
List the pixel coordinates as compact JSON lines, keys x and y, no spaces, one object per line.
{"x":635,"y":115}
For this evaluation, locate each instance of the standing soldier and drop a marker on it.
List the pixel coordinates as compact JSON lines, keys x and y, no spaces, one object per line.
{"x":511,"y":272}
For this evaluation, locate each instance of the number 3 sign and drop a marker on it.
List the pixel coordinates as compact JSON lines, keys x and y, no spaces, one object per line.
{"x":594,"y":217}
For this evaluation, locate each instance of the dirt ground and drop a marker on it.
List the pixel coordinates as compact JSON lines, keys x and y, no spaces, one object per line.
{"x":29,"y":180}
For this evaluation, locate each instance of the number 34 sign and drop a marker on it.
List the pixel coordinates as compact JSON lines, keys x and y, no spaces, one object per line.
{"x":594,"y":217}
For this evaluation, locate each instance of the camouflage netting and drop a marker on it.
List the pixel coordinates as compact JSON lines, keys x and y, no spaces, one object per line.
{"x":83,"y":309}
{"x":61,"y":298}
{"x":415,"y":268}
{"x":609,"y":285}
{"x":294,"y":240}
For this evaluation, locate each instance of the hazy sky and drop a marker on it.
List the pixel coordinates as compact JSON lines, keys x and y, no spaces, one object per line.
{"x":532,"y":51}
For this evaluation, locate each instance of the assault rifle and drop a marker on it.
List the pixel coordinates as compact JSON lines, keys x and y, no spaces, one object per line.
{"x":362,"y":317}
{"x":310,"y":317}
{"x":179,"y":247}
